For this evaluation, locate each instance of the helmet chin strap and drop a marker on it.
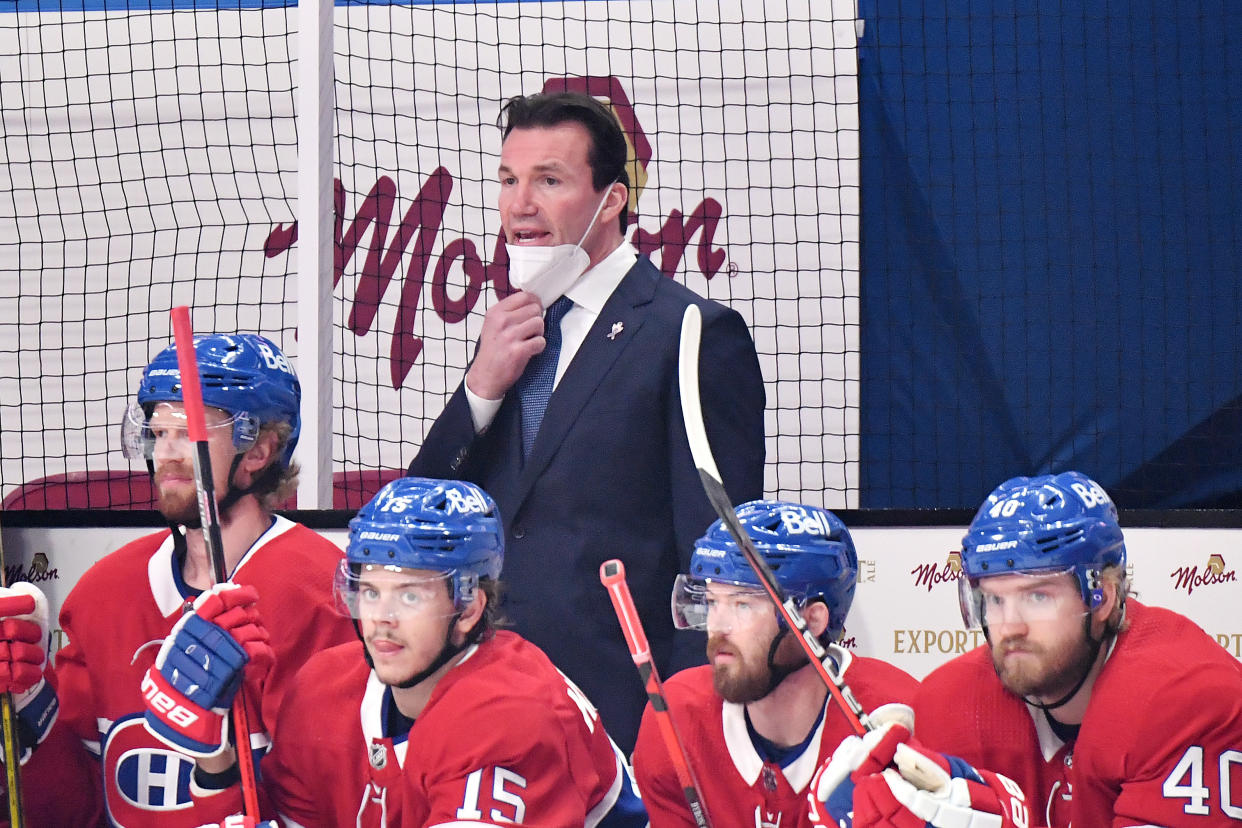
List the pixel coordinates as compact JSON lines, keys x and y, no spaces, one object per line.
{"x":446,"y":654}
{"x":777,"y":673}
{"x":236,"y":493}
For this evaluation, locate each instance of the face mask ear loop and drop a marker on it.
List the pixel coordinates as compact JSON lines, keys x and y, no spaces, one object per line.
{"x":598,"y":210}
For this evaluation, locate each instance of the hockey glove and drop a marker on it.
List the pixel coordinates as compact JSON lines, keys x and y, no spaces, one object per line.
{"x":946,"y":792}
{"x":190,"y":688}
{"x":832,"y":796}
{"x":23,"y":660}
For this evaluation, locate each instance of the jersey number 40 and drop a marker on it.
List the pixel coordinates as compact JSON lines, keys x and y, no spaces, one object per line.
{"x":1185,"y":781}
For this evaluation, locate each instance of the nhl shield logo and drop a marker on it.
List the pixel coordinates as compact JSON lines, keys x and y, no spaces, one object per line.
{"x":379,"y":755}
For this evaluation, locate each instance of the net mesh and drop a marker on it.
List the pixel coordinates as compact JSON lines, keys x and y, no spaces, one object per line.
{"x":149,"y":158}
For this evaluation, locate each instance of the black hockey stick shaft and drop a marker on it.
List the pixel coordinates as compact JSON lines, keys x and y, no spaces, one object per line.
{"x":701,"y":451}
{"x":12,"y":751}
{"x":196,"y":427}
{"x":612,"y":576}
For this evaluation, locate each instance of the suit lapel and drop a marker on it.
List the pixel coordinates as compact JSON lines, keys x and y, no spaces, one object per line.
{"x":628,"y":306}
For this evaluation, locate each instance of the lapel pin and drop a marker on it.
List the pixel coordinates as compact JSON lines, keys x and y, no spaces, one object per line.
{"x":617,"y":328}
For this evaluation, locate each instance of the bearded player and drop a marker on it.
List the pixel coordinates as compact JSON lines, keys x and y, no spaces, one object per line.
{"x":757,"y":720}
{"x":1097,"y":710}
{"x":124,"y":618}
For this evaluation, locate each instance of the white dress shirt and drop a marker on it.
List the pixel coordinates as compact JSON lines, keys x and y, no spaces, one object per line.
{"x":589,"y":294}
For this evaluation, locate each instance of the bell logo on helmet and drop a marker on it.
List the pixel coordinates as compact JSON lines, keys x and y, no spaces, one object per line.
{"x":465,"y":503}
{"x":273,"y":360}
{"x":1091,"y":495}
{"x":805,"y":522}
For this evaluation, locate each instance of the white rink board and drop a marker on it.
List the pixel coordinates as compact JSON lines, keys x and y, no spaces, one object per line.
{"x":900,"y":614}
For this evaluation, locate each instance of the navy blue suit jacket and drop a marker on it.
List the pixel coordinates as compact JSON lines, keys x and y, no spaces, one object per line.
{"x":610,"y":476}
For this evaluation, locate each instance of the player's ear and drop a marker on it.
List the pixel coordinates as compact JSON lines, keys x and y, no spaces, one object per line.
{"x":817,"y":615}
{"x":260,"y":455}
{"x":471,"y":614}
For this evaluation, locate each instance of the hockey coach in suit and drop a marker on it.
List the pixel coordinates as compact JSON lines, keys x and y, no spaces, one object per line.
{"x":571,"y":419}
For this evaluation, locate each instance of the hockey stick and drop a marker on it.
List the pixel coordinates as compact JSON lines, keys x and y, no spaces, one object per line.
{"x":196,"y":427}
{"x":612,"y":576}
{"x":701,"y":451}
{"x":12,"y":756}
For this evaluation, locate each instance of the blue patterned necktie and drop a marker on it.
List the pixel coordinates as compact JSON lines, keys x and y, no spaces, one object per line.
{"x":535,"y":384}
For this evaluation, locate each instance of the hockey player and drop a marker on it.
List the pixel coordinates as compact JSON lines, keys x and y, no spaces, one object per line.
{"x":436,"y":717}
{"x":121,"y":611}
{"x":757,"y":720}
{"x":1102,"y":711}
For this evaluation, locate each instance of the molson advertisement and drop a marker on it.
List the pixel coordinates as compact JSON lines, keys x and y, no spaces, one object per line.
{"x":906,"y":605}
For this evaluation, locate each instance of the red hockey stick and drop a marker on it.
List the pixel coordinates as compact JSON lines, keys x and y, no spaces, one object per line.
{"x":196,"y":427}
{"x":701,"y":451}
{"x":612,"y":576}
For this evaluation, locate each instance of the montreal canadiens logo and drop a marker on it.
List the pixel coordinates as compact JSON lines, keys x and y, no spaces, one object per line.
{"x":139,"y":777}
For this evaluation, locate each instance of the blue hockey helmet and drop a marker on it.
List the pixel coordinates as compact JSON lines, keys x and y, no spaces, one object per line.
{"x":444,"y":526}
{"x":245,"y":375}
{"x":808,"y":549}
{"x":1051,"y":523}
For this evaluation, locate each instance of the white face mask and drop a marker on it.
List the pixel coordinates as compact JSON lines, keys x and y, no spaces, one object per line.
{"x":549,"y":270}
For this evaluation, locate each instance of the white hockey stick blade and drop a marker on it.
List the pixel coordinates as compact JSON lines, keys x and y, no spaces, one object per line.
{"x":696,"y":433}
{"x":713,"y":487}
{"x":691,"y":407}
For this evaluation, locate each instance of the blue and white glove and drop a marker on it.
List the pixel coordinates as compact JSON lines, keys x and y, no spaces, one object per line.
{"x":199,"y":668}
{"x":23,"y":662}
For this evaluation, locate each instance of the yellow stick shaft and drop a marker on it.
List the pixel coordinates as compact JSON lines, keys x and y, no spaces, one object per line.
{"x":12,"y":754}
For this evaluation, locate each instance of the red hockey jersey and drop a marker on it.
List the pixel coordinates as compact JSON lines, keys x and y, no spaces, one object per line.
{"x":737,"y":786}
{"x":504,"y":738}
{"x":60,"y":782}
{"x":1160,"y":744}
{"x":118,"y":615}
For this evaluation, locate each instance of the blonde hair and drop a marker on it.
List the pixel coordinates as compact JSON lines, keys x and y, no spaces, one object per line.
{"x":1116,"y":575}
{"x":271,"y":489}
